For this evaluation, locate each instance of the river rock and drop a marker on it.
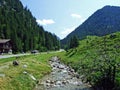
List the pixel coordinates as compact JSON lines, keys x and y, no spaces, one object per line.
{"x":15,"y":63}
{"x":24,"y":66}
{"x":24,"y":72}
{"x":64,"y":82}
{"x":32,"y":77}
{"x":62,"y":77}
{"x":2,"y":75}
{"x":47,"y":81}
{"x":61,"y":66}
{"x":71,"y":70}
{"x":79,"y":83}
{"x":52,"y":82}
{"x":64,"y":71}
{"x":48,"y":85}
{"x":58,"y":83}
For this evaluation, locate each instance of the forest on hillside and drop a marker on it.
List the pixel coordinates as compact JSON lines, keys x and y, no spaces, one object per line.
{"x":102,"y":22}
{"x":18,"y":24}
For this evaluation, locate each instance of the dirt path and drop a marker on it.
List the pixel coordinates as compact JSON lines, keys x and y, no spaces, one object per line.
{"x":13,"y":55}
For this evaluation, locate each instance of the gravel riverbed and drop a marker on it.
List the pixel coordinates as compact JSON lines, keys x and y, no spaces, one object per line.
{"x":62,"y":77}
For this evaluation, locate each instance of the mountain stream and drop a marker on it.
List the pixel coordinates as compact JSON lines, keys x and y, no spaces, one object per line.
{"x":62,"y":77}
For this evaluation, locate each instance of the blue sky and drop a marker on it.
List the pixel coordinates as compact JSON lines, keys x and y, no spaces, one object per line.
{"x":63,"y":16}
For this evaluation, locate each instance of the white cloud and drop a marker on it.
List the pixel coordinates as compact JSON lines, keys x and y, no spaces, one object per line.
{"x":76,"y":16}
{"x":45,"y":21}
{"x":67,"y":31}
{"x":79,"y":17}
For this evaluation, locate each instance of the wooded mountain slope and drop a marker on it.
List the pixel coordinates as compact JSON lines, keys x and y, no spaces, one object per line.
{"x":18,"y":24}
{"x":104,"y":21}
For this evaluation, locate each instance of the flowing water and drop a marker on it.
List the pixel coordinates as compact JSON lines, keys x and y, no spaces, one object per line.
{"x":62,"y":77}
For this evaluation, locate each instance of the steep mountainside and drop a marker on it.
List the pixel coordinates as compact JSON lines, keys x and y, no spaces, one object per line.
{"x":18,"y":24}
{"x":103,"y":21}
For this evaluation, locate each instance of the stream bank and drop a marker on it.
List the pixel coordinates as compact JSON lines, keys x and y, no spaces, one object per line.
{"x":62,"y":77}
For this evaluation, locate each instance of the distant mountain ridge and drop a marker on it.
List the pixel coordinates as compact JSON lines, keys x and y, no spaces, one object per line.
{"x":104,"y":21}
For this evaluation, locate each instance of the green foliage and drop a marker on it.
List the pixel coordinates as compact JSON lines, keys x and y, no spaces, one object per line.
{"x":97,"y":60}
{"x":18,"y":24}
{"x":74,"y":42}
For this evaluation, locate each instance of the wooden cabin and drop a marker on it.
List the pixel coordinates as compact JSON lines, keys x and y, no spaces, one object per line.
{"x":5,"y":46}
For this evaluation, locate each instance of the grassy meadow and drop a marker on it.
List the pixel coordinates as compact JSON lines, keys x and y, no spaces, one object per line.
{"x":19,"y":77}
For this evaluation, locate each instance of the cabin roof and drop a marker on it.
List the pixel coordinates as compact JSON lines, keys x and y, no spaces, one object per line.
{"x":4,"y":40}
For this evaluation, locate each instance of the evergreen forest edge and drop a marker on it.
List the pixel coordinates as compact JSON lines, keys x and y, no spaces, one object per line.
{"x":18,"y":24}
{"x":95,"y":58}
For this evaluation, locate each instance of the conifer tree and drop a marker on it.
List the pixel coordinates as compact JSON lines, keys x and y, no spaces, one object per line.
{"x":74,"y":42}
{"x":18,"y":24}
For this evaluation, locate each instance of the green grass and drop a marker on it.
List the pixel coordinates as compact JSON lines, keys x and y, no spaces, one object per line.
{"x":15,"y":79}
{"x":6,"y":60}
{"x":87,"y":59}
